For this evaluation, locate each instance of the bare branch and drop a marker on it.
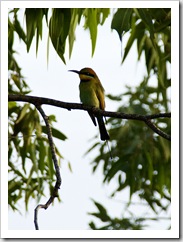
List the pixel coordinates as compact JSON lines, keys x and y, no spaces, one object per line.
{"x":157,"y":130}
{"x":37,"y":101}
{"x":57,"y":169}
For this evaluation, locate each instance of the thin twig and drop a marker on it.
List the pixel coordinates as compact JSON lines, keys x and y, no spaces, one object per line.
{"x":57,"y":169}
{"x":157,"y":130}
{"x":37,"y":101}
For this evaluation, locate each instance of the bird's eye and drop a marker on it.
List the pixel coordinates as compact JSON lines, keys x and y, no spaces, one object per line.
{"x":88,"y":74}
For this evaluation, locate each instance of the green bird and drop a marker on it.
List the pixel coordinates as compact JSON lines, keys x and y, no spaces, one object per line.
{"x":92,"y":94}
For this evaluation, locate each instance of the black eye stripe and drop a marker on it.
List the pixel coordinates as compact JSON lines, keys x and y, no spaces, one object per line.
{"x":87,"y":74}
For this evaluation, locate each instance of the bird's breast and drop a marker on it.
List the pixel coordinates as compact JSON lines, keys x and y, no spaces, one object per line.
{"x":88,"y":94}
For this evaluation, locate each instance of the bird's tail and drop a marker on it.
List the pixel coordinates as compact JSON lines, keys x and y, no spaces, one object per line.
{"x":103,"y":132}
{"x":92,"y":118}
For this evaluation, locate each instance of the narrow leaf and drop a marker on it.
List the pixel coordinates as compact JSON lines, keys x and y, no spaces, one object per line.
{"x":92,"y":24}
{"x":42,"y":156}
{"x":121,"y":21}
{"x":55,"y":132}
{"x":22,"y":113}
{"x":59,"y":26}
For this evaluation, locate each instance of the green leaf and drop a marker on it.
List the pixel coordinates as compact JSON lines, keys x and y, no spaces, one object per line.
{"x":31,"y":15}
{"x":146,"y":18}
{"x":10,"y":38}
{"x":129,"y":44}
{"x":160,"y":14}
{"x":42,"y":155}
{"x":137,"y":33}
{"x":92,"y":25}
{"x":55,"y":132}
{"x":105,"y":13}
{"x":19,"y":30}
{"x":141,"y":38}
{"x":13,"y":185}
{"x":50,"y":164}
{"x":23,"y":153}
{"x":30,"y":192}
{"x":12,"y":108}
{"x":92,"y":225}
{"x":30,"y":175}
{"x":116,"y":167}
{"x":150,"y":165}
{"x":34,"y":18}
{"x":52,"y":118}
{"x":74,"y":22}
{"x":150,"y":55}
{"x":16,"y":80}
{"x":121,"y":21}
{"x":69,"y":166}
{"x":59,"y":26}
{"x":102,"y":212}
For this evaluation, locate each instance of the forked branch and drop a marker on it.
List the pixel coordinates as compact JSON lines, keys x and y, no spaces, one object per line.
{"x":37,"y":101}
{"x":57,"y":169}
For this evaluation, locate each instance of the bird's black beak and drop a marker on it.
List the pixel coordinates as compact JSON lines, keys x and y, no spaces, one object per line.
{"x":78,"y":72}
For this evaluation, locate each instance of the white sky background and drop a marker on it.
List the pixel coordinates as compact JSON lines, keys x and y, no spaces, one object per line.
{"x":54,"y":81}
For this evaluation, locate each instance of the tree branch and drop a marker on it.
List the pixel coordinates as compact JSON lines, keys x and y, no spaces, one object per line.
{"x":157,"y":130}
{"x":37,"y":101}
{"x":57,"y":169}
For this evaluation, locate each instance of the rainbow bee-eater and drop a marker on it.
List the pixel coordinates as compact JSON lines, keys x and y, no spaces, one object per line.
{"x":92,"y":94}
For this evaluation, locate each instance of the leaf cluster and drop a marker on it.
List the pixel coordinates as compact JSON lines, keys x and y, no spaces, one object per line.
{"x":150,"y":29}
{"x":141,"y":160}
{"x":122,"y":222}
{"x":30,"y":153}
{"x":61,"y":26}
{"x":28,"y":147}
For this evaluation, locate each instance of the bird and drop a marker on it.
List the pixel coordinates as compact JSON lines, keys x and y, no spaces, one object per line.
{"x":92,"y":94}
